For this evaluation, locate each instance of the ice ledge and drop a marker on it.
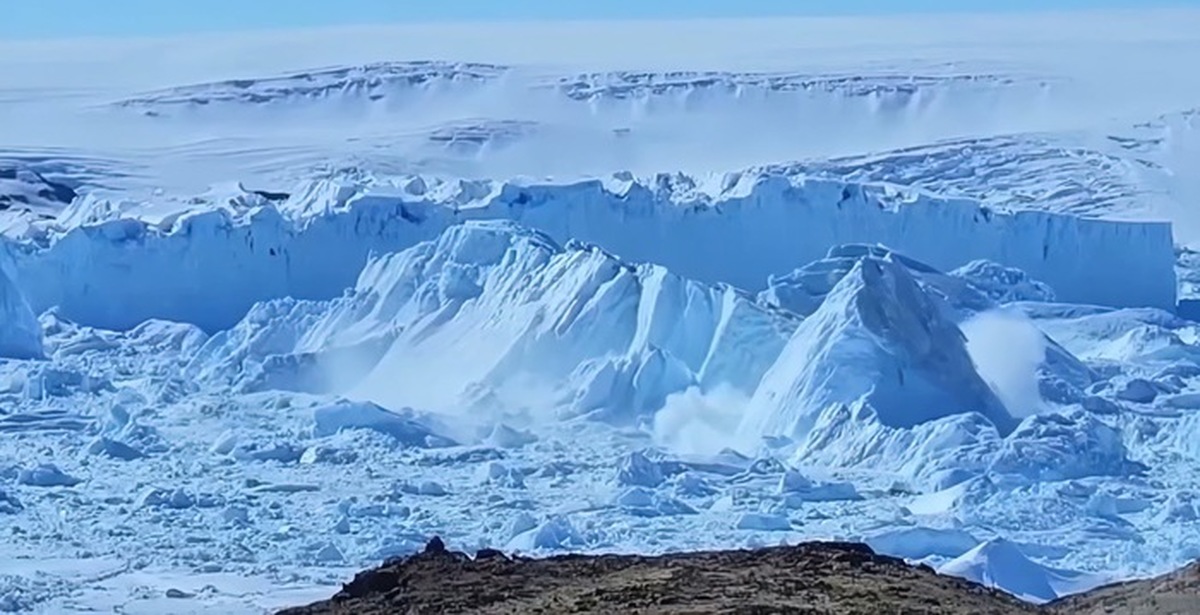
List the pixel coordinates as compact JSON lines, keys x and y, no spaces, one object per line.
{"x":208,"y":267}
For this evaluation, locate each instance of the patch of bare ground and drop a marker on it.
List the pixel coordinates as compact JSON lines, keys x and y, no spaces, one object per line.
{"x":816,"y":578}
{"x":1175,"y":593}
{"x":813,"y":578}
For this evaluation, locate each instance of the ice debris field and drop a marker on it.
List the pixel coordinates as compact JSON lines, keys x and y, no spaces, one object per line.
{"x":277,"y":307}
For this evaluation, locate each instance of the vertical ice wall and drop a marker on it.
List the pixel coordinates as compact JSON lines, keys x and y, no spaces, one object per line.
{"x":209,"y":267}
{"x":781,"y":223}
{"x":20,"y":333}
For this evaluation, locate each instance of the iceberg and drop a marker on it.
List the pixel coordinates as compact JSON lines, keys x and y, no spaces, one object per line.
{"x":878,"y":337}
{"x":490,"y":314}
{"x":965,"y":295}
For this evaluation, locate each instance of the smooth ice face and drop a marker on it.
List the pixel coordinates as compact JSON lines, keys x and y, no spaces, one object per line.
{"x":20,"y":332}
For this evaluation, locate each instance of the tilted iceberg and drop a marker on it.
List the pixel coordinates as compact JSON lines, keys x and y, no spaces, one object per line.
{"x":880,"y":337}
{"x":492,"y":314}
{"x":1000,"y":564}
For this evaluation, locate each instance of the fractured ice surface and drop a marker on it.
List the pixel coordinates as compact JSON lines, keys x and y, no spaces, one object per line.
{"x":231,"y":399}
{"x":565,"y":391}
{"x":491,"y":314}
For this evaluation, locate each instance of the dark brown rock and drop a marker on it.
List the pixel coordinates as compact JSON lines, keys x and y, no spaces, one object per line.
{"x":810,"y":579}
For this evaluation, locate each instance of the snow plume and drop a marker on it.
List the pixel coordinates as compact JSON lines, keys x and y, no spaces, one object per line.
{"x":1007,"y":350}
{"x":701,"y":422}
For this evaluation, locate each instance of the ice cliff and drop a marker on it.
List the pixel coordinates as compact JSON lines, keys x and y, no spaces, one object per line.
{"x":20,"y":332}
{"x":382,"y":81}
{"x":210,"y":265}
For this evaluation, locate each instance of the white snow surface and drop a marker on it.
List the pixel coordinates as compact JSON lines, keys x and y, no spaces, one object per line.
{"x":1000,"y":564}
{"x":277,"y":306}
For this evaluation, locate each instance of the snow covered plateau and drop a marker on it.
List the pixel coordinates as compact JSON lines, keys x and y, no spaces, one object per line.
{"x":275,"y":307}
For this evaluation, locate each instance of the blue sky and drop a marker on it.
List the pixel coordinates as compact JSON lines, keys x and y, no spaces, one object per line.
{"x":73,"y":18}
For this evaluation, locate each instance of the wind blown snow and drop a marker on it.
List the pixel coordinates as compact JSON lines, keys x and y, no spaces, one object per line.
{"x":1008,"y":349}
{"x":701,"y":423}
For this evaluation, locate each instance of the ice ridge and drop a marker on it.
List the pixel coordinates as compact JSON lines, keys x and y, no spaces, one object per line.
{"x":879,"y":337}
{"x":490,"y":315}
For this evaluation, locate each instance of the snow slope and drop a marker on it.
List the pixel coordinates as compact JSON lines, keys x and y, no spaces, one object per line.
{"x":999,"y":563}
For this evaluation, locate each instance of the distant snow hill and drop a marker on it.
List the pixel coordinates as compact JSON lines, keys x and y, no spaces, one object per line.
{"x":371,"y":82}
{"x":378,"y":81}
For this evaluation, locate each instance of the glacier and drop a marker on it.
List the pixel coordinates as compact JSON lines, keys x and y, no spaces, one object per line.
{"x":21,"y":335}
{"x":269,"y":318}
{"x":774,"y":224}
